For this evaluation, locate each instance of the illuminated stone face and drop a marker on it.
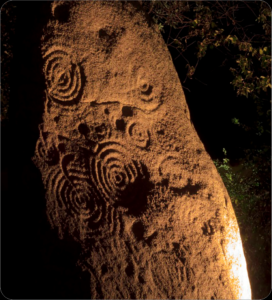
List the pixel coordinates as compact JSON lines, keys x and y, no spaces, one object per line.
{"x":124,"y":170}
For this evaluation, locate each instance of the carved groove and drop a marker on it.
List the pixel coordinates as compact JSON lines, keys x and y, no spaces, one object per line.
{"x":68,"y":187}
{"x":46,"y":153}
{"x":114,"y":173}
{"x":139,"y":134}
{"x":40,"y":150}
{"x":164,"y":269}
{"x":63,"y":78}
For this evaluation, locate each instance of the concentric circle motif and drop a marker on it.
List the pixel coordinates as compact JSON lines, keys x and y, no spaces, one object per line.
{"x":50,"y":156}
{"x":139,"y":134}
{"x":144,"y":86}
{"x":146,"y":91}
{"x":115,"y":174}
{"x":40,"y":150}
{"x":75,"y":197}
{"x":63,"y":78}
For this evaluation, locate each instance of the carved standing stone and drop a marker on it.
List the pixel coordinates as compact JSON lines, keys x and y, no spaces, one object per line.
{"x":124,"y":170}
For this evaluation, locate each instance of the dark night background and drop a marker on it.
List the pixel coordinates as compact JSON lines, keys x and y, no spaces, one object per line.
{"x":34,"y":262}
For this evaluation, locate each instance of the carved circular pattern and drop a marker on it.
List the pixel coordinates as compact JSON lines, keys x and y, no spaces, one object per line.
{"x":139,"y":134}
{"x":40,"y":150}
{"x":76,"y":197}
{"x":48,"y":155}
{"x":144,"y":86}
{"x":63,"y":78}
{"x":115,"y":174}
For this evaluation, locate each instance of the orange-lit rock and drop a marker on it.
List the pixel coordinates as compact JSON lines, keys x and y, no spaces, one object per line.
{"x":124,"y":170}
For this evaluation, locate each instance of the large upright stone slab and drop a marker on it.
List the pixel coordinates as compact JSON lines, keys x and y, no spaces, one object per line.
{"x":124,"y":170}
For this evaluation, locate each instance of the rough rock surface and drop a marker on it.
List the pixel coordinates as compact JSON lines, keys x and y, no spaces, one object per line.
{"x":124,"y":170}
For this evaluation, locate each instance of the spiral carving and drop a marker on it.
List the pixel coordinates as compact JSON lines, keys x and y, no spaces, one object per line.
{"x":63,"y":78}
{"x":69,"y":187}
{"x":139,"y":134}
{"x":40,"y":150}
{"x":46,"y":154}
{"x":115,"y":174}
{"x":145,"y":89}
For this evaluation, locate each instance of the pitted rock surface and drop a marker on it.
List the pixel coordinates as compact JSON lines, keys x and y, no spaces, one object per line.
{"x":125,"y":173}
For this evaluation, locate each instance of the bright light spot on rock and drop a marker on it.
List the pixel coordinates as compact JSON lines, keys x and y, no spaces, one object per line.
{"x":237,"y":263}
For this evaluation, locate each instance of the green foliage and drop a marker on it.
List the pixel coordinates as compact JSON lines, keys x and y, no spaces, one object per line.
{"x":248,"y":185}
{"x":160,"y":26}
{"x":210,"y":26}
{"x":205,"y":26}
{"x":235,"y":121}
{"x":242,"y":184}
{"x":191,"y":71}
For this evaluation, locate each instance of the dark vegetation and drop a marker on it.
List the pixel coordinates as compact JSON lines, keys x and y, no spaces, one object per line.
{"x":222,"y":53}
